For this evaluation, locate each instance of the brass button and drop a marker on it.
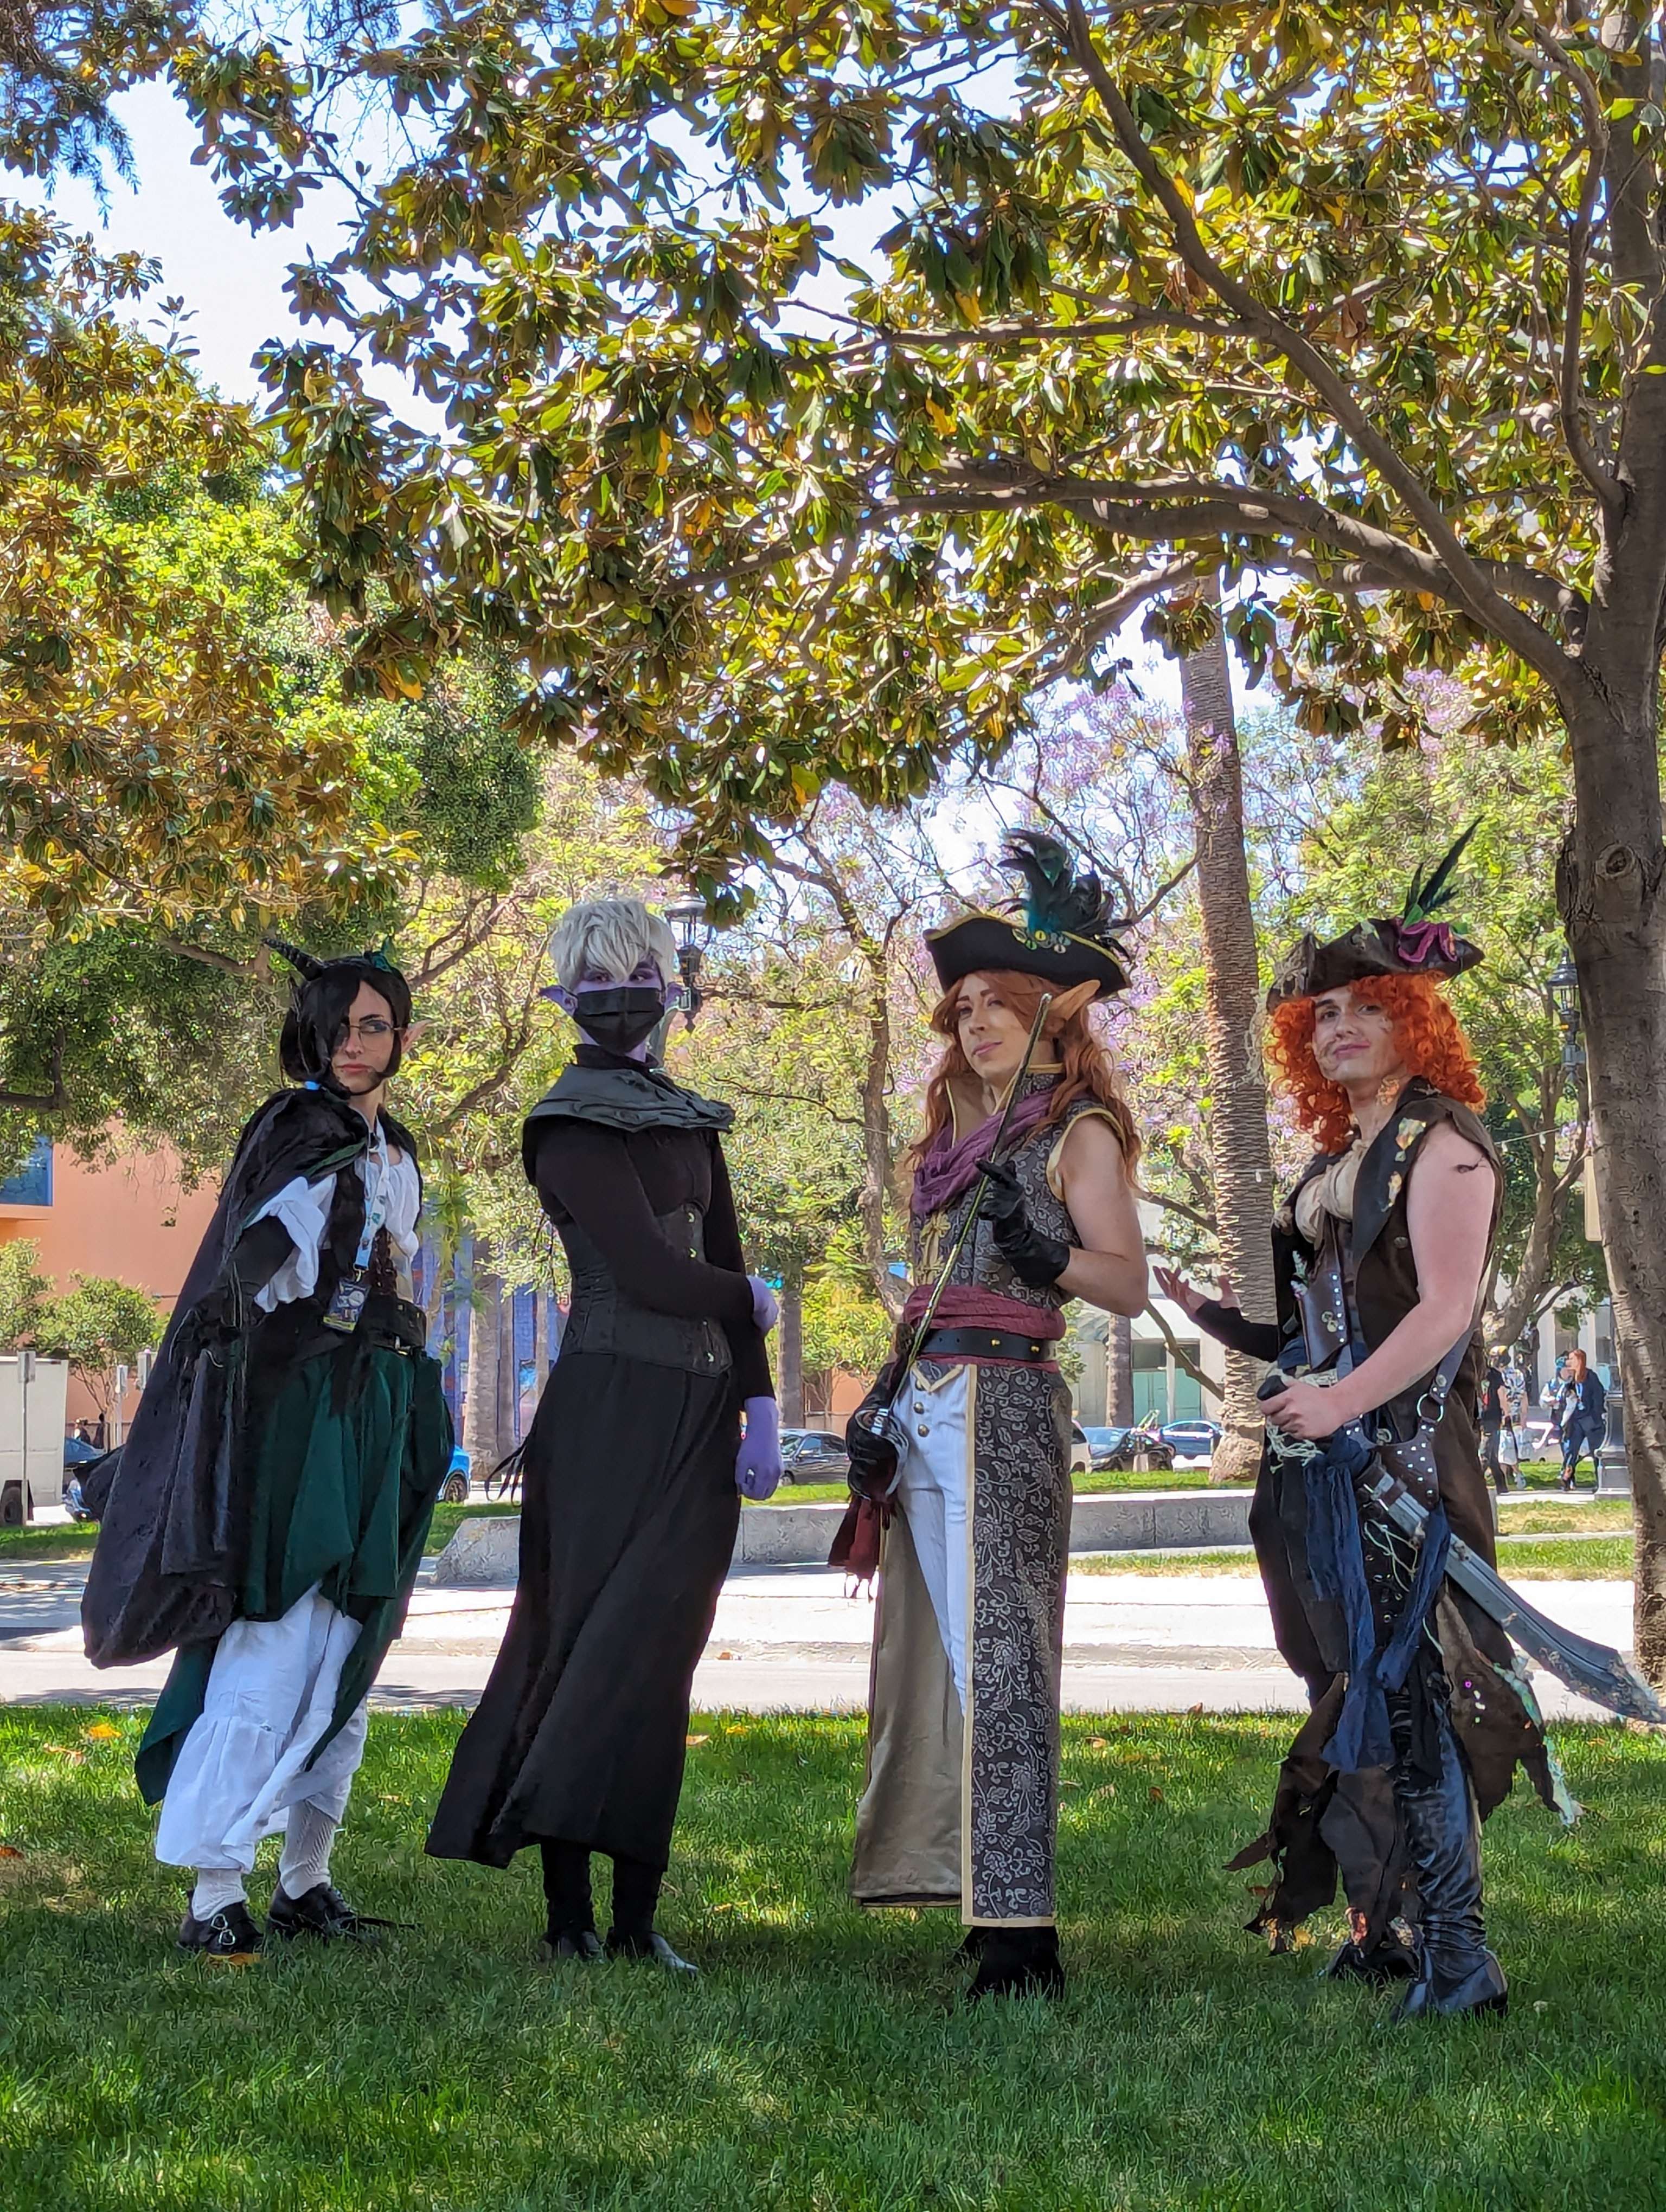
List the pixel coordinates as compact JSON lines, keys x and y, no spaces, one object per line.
{"x":924,"y":1431}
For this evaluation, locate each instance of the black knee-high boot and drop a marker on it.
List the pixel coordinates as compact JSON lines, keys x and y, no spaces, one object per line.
{"x":571,"y":1932}
{"x":1456,"y":1971}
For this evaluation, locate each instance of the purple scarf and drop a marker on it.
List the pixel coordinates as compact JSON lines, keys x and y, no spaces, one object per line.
{"x":949,"y":1168}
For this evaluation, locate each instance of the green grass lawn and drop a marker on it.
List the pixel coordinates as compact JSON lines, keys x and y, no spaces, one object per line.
{"x":821,"y":2064}
{"x":1086,"y":1485}
{"x":74,"y":1541}
{"x":1593,"y":1559}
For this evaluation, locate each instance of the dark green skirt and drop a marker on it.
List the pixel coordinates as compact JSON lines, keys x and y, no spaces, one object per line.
{"x":345,"y":1455}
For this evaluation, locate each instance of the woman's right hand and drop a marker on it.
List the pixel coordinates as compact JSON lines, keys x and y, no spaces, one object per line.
{"x":766,"y":1312}
{"x":1174,"y":1286}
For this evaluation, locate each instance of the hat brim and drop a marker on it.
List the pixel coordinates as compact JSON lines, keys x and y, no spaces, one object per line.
{"x":978,"y":943}
{"x":1365,"y":952}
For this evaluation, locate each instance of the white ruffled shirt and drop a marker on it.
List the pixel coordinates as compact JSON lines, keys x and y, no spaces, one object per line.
{"x":303,"y":1207}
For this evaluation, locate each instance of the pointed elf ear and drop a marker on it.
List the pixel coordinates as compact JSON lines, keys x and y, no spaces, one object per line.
{"x":1068,"y":1004}
{"x":413,"y":1031}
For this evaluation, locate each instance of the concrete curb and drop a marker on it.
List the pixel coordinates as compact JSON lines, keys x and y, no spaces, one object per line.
{"x":488,"y":1552}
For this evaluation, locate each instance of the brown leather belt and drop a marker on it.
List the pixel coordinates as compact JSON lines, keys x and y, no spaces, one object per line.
{"x":990,"y":1344}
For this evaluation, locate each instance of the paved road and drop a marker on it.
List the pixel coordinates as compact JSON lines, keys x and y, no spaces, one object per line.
{"x":788,"y":1639}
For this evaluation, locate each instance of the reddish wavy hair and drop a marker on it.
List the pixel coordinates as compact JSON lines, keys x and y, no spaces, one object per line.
{"x":1089,"y":1069}
{"x":1426,"y":1030}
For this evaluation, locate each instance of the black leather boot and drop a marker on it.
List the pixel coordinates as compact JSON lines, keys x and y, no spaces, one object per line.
{"x":1017,"y":1962}
{"x":1456,"y":1971}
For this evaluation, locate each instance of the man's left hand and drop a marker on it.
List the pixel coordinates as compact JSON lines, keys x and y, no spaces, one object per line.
{"x":1304,"y":1412}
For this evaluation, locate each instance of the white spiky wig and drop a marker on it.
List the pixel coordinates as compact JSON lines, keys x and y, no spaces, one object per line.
{"x":607,"y":938}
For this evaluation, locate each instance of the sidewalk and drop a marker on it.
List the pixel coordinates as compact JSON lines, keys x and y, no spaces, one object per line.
{"x":788,"y":1639}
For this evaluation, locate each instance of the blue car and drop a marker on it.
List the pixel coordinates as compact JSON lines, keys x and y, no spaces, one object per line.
{"x":454,"y":1490}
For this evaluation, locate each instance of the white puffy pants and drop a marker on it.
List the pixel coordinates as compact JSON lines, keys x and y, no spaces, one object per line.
{"x":271,"y":1693}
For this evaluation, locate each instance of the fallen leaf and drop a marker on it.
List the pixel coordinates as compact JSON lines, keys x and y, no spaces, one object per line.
{"x":1197,"y":1708}
{"x":1155,"y":1795}
{"x":104,"y":1732}
{"x":10,"y":1851}
{"x":725,"y":1655}
{"x":1095,"y":1742}
{"x":721,"y":1908}
{"x":66,"y":1751}
{"x":693,"y":1740}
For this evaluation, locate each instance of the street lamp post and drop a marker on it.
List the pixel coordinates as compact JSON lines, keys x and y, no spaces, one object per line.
{"x":688,"y":918}
{"x":1565,"y":994}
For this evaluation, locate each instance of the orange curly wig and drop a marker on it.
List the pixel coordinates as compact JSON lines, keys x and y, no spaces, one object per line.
{"x":1426,"y":1030}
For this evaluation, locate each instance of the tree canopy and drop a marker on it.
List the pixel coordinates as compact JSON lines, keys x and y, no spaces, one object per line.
{"x":1359,"y":300}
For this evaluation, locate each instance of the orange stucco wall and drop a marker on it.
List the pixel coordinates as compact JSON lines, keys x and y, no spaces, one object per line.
{"x":127,"y":1217}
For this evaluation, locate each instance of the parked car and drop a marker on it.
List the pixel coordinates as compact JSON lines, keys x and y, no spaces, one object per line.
{"x":454,"y":1490}
{"x":1191,"y":1439}
{"x":1081,"y":1452}
{"x":813,"y":1455}
{"x":1129,"y":1450}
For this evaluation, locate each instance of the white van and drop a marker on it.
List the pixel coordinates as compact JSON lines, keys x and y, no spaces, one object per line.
{"x":25,"y":1489}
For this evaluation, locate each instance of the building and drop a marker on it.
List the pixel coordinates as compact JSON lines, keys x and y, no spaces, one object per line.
{"x":130,"y":1216}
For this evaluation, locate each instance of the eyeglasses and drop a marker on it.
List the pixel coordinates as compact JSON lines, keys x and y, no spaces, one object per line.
{"x":373,"y":1026}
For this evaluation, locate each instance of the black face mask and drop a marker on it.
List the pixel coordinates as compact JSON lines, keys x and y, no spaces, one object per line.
{"x":620,"y":1018}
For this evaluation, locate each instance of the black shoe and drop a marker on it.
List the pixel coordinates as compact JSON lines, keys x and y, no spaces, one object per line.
{"x":229,"y":1937}
{"x":1390,"y":1959}
{"x":1019,"y":1962}
{"x":323,"y":1913}
{"x":652,"y":1946}
{"x":580,"y":1943}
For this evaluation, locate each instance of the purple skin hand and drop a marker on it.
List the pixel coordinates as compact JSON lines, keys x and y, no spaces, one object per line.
{"x":757,"y":1468}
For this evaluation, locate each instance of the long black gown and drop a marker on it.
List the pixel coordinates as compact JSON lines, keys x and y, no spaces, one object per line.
{"x":631,"y":1506}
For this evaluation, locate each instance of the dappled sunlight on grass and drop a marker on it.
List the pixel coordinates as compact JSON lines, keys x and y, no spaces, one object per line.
{"x":821,"y":2061}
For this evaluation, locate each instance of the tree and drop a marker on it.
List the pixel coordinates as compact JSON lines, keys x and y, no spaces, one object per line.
{"x":98,"y":1325}
{"x":146,"y":772}
{"x":1240,"y":1156}
{"x":23,"y":1292}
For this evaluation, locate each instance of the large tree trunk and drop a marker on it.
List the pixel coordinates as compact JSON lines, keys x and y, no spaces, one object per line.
{"x":789,"y":1346}
{"x":1239,"y":1153}
{"x":480,"y":1428}
{"x":1119,"y":1372}
{"x":1609,"y":892}
{"x":508,"y":1375}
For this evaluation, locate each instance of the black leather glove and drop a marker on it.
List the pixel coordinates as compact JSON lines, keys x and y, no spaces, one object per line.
{"x":873,"y":1453}
{"x":221,"y":1313}
{"x":1033,"y":1258}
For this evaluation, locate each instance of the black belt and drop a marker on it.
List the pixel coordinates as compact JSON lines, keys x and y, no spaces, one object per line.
{"x":990,"y":1344}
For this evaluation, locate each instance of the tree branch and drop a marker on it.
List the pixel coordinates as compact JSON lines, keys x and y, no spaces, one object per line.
{"x":1182,"y":1359}
{"x":1516,"y":629}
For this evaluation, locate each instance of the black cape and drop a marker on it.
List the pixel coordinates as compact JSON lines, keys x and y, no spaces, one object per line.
{"x":167,"y":1565}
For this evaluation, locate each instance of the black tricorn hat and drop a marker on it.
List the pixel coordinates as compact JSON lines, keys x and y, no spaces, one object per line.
{"x":1411,"y":942}
{"x":1062,"y":931}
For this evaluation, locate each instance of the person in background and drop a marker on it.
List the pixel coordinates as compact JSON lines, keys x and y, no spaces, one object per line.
{"x":1490,"y":1419}
{"x":1582,"y":1405}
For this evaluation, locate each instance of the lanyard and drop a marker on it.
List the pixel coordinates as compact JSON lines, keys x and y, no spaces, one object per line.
{"x":375,"y":1194}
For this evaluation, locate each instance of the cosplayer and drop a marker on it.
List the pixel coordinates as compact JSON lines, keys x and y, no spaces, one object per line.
{"x":971,"y":1471}
{"x":633,"y":1464}
{"x":1382,"y":1252}
{"x":269,"y":1508}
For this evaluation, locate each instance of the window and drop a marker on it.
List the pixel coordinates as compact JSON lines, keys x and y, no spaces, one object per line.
{"x":32,"y":1185}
